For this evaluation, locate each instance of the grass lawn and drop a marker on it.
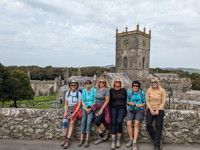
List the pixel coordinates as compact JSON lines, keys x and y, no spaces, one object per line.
{"x":36,"y":99}
{"x":62,"y":106}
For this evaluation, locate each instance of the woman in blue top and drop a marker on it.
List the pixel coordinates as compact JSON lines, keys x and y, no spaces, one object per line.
{"x":88,"y":100}
{"x":136,"y":102}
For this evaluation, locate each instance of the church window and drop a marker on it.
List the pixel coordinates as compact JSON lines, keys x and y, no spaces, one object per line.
{"x":143,"y":60}
{"x":140,"y":64}
{"x":125,"y":62}
{"x":125,"y":44}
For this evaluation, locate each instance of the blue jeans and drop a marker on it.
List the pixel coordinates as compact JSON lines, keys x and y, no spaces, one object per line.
{"x":117,"y":116}
{"x":86,"y":117}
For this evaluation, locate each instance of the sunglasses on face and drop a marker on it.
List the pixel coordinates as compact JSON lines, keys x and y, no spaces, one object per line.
{"x":73,"y":85}
{"x":117,"y":81}
{"x":135,"y":86}
{"x":101,"y":82}
{"x":153,"y":82}
{"x":87,"y":83}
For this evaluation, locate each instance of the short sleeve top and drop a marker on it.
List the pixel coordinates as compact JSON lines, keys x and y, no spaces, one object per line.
{"x":100,"y":95}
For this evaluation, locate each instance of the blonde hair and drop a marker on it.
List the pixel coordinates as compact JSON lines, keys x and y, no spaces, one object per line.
{"x":159,"y":87}
{"x":113,"y":83}
{"x":102,"y":78}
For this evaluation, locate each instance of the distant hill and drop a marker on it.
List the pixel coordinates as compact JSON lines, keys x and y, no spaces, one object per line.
{"x":107,"y":66}
{"x":169,"y":68}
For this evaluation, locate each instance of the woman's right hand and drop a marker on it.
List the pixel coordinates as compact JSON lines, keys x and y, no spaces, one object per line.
{"x":65,"y":114}
{"x":152,"y":112}
{"x":88,"y":110}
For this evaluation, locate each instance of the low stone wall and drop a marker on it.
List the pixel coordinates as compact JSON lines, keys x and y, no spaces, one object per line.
{"x":179,"y":126}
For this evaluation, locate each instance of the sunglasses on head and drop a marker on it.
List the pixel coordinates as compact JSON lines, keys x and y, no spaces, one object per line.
{"x":153,"y":82}
{"x":72,"y":85}
{"x":101,"y":82}
{"x":135,"y":86}
{"x":87,"y":83}
{"x":117,"y":81}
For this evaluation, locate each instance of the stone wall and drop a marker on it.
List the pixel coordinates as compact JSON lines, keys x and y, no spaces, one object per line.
{"x":179,"y":126}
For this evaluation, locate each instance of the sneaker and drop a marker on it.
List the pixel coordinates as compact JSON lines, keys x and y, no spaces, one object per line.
{"x":113,"y":144}
{"x":155,"y":148}
{"x":160,"y":147}
{"x":80,"y":143}
{"x":118,"y":145}
{"x":129,"y":144}
{"x":134,"y":146}
{"x":66,"y":146}
{"x":99,"y":140}
{"x":105,"y":135}
{"x":63,"y":142}
{"x":86,"y":143}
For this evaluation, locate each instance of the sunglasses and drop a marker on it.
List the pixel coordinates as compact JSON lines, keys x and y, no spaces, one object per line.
{"x":87,"y":83}
{"x":153,"y":82}
{"x":135,"y":86}
{"x":117,"y":81}
{"x":73,"y":85}
{"x":101,"y":82}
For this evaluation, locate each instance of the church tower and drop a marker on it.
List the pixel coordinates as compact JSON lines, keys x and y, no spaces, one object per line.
{"x":133,"y":53}
{"x":79,"y":72}
{"x":66,"y":76}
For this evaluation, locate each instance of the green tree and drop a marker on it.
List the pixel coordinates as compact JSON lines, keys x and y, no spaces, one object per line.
{"x":196,"y":84}
{"x":26,"y":92}
{"x":12,"y":90}
{"x":4,"y":75}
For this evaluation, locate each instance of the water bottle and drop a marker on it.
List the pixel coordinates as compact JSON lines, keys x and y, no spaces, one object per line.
{"x":64,"y":123}
{"x":97,"y":114}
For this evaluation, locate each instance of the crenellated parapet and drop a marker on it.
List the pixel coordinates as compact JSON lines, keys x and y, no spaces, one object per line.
{"x":134,"y":32}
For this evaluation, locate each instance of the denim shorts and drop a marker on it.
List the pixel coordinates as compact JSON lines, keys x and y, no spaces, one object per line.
{"x":137,"y":114}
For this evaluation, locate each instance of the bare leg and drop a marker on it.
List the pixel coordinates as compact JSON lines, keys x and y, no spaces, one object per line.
{"x":101,"y":128}
{"x":64,"y":132}
{"x":71,"y":126}
{"x":87,"y":136}
{"x":119,"y":134}
{"x":136,"y":130}
{"x":81,"y":137}
{"x":129,"y":129}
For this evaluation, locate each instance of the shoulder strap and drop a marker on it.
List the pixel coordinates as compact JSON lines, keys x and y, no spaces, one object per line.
{"x":69,"y":93}
{"x":77,"y":94}
{"x":131,"y":95}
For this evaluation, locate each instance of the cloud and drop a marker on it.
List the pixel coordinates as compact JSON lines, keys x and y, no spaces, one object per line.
{"x":82,"y":33}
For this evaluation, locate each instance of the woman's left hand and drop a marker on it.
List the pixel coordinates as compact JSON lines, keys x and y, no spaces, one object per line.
{"x":139,"y":105}
{"x":72,"y":116}
{"x":100,"y":112}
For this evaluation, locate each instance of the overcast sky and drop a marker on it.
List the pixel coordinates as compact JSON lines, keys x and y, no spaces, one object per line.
{"x":82,"y":32}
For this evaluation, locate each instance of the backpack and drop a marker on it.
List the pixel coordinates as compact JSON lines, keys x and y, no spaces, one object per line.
{"x":140,"y":97}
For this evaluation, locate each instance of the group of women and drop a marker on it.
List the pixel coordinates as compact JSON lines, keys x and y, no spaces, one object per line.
{"x":109,"y":108}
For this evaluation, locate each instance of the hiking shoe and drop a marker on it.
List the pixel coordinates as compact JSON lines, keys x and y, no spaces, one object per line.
{"x":155,"y":148}
{"x":129,"y":144}
{"x":118,"y":145}
{"x":105,"y":135}
{"x":99,"y":140}
{"x":80,"y":143}
{"x":66,"y":144}
{"x":63,"y":142}
{"x":160,"y":147}
{"x":134,"y":146}
{"x":86,"y":143}
{"x":113,"y":144}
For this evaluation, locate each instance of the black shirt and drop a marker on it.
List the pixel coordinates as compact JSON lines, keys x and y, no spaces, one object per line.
{"x":118,"y":98}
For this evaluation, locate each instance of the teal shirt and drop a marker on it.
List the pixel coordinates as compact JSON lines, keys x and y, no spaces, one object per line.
{"x":89,"y":99}
{"x":138,"y":98}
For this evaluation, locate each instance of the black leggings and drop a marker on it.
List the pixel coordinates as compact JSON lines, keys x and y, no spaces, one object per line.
{"x":100,"y":119}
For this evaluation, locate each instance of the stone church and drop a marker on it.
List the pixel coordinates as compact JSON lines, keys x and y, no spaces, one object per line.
{"x":132,"y":63}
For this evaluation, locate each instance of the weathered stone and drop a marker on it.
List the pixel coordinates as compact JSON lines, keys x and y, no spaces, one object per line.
{"x":43,"y":124}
